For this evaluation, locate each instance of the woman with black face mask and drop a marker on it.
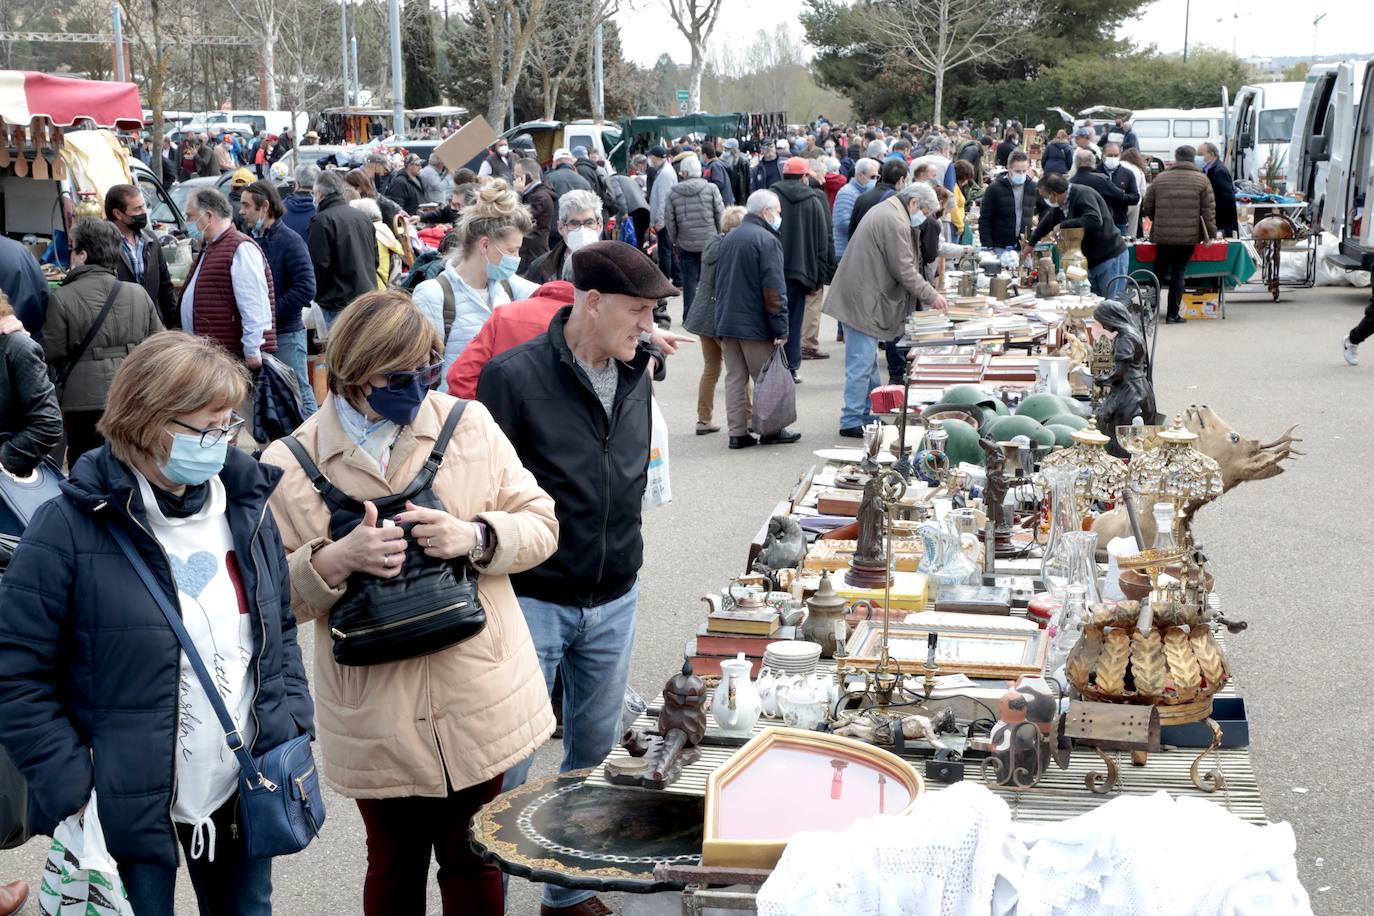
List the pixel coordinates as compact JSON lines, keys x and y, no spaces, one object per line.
{"x":386,"y":490}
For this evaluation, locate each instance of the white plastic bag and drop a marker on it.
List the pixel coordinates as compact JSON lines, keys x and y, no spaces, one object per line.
{"x":80,"y":877}
{"x":659,"y":491}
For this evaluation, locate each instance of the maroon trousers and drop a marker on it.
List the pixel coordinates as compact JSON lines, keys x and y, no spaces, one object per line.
{"x":402,"y":832}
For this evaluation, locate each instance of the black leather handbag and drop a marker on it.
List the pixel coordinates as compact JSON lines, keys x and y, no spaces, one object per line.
{"x":431,"y":605}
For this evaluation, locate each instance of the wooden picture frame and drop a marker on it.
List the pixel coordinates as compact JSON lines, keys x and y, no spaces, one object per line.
{"x":975,"y":645}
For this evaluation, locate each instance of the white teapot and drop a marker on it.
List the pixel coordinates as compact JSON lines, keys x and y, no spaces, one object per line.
{"x":736,"y":705}
{"x":805,"y":702}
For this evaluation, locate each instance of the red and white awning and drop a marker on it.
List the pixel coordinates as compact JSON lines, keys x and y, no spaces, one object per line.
{"x":26,"y":94}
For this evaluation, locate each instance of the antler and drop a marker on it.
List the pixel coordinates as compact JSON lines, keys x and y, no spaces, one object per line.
{"x":1284,"y":443}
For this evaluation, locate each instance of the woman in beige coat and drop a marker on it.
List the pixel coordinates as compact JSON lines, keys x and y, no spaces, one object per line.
{"x":421,"y":743}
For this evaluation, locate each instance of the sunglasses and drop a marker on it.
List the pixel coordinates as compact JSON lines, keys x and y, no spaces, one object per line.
{"x":400,"y":381}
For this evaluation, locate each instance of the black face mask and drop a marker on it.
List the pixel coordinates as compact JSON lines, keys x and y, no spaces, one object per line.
{"x":137,"y":222}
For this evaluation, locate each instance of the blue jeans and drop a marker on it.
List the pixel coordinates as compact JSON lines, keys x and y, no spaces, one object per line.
{"x":591,"y":647}
{"x":1100,"y":277}
{"x":231,"y":885}
{"x":291,"y":350}
{"x":796,"y":317}
{"x":860,"y":377}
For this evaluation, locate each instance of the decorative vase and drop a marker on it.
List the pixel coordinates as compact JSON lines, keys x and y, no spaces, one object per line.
{"x":736,"y":705}
{"x":1081,"y":550}
{"x":1052,"y":375}
{"x":1060,"y":479}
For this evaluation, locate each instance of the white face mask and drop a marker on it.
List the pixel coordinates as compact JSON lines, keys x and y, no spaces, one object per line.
{"x":1111,"y":162}
{"x":582,"y":237}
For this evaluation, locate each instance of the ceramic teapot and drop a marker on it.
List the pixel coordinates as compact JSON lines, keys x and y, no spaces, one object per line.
{"x":736,"y":705}
{"x":805,"y":701}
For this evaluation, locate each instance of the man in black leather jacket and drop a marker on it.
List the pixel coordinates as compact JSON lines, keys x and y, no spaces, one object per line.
{"x":30,"y":421}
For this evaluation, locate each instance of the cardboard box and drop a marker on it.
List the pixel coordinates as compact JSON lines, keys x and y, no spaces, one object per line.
{"x":465,"y":143}
{"x":1200,"y":306}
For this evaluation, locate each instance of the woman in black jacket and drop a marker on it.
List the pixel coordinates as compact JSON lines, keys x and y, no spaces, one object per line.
{"x":30,"y":422}
{"x":97,"y":693}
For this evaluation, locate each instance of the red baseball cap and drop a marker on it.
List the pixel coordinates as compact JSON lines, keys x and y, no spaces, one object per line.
{"x":796,"y":166}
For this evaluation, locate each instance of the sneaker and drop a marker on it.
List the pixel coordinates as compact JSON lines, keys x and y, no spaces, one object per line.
{"x":705,"y":429}
{"x":1352,"y":352}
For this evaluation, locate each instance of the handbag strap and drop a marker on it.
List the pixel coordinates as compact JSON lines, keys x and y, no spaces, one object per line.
{"x":85,"y":344}
{"x":231,"y":734}
{"x":337,"y":499}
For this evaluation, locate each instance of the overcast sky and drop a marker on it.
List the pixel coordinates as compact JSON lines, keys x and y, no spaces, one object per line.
{"x":1265,"y":28}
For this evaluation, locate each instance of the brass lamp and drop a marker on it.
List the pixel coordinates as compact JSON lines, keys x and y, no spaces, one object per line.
{"x":1101,"y":475}
{"x":1176,"y":471}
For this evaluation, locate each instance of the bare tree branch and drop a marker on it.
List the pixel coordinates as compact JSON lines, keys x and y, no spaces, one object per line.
{"x":696,"y":20}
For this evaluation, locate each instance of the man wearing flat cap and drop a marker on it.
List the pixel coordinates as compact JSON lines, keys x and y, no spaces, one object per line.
{"x":575,"y":403}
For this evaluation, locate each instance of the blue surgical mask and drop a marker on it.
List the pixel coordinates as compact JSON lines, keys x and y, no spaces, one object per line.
{"x":1201,"y":161}
{"x":776,"y":223}
{"x":1017,"y":179}
{"x":257,"y":227}
{"x":192,"y":464}
{"x":510,"y":263}
{"x":869,"y":185}
{"x":400,"y":407}
{"x":917,"y":219}
{"x":193,"y":230}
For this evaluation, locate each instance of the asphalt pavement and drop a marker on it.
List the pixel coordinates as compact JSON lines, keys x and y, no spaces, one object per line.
{"x":1287,"y":554}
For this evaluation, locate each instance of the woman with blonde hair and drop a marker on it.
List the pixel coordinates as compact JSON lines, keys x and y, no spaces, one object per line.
{"x":419,"y":740}
{"x":701,"y":321}
{"x":99,"y":700}
{"x":481,"y":275}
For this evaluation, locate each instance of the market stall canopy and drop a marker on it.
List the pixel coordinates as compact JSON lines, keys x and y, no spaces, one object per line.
{"x":25,"y":95}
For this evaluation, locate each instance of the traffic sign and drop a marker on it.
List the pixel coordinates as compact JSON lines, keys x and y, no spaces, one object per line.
{"x":683,"y":100}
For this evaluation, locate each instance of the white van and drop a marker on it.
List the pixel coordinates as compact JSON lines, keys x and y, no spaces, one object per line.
{"x":1350,"y":169}
{"x":1326,"y":116}
{"x":1160,"y":131}
{"x":269,"y":122}
{"x":1259,"y":129}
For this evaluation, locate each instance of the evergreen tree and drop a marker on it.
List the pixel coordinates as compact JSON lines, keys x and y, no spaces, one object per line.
{"x":419,"y":60}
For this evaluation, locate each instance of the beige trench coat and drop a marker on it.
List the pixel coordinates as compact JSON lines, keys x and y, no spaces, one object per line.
{"x":878,"y":282}
{"x":457,"y":717}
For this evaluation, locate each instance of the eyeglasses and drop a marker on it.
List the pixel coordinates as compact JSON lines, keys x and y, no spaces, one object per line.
{"x":590,"y":223}
{"x":400,"y":381}
{"x":214,"y":434}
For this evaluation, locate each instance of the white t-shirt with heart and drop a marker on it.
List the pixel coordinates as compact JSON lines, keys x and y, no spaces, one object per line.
{"x":215,"y":612}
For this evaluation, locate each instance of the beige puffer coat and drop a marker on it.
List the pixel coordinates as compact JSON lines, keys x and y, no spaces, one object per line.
{"x":457,"y":717}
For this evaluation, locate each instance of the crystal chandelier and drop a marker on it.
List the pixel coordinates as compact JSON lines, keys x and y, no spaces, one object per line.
{"x":1101,"y":476}
{"x":1176,"y":471}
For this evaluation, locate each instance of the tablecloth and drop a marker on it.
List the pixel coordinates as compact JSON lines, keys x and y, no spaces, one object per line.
{"x":1237,"y":268}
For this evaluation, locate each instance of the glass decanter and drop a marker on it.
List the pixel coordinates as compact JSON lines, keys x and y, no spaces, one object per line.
{"x":1163,"y":512}
{"x":1067,"y":627}
{"x":963,"y":526}
{"x":1060,"y":480}
{"x":1081,"y":549}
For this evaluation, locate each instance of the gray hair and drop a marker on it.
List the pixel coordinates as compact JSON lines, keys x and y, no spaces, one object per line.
{"x":867,"y":166}
{"x":575,"y":202}
{"x":940,"y":144}
{"x":1111,"y":143}
{"x":213,"y":202}
{"x":329,"y":181}
{"x":368,"y":206}
{"x":435,"y":161}
{"x":831,"y":164}
{"x":531,"y":168}
{"x":876,"y":150}
{"x":690,"y":167}
{"x":306,"y":175}
{"x":762,"y":199}
{"x":1084,"y":158}
{"x":1210,"y":148}
{"x":922,"y":193}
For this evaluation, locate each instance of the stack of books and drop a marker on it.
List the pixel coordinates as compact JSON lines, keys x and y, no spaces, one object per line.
{"x":725,"y":634}
{"x":949,"y":370}
{"x":1011,"y":369}
{"x":928,"y":325}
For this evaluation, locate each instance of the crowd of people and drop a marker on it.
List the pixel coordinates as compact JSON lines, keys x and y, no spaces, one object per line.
{"x":487,"y":405}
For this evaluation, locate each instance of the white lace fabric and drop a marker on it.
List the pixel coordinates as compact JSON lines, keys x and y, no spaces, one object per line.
{"x":959,"y":854}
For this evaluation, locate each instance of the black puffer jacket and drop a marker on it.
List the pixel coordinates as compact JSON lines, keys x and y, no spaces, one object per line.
{"x":30,"y":423}
{"x":595,"y":468}
{"x":997,"y":224}
{"x":90,"y":692}
{"x":808,"y":245}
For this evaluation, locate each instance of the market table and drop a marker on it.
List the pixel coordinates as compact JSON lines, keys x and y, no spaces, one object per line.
{"x":1236,"y":268}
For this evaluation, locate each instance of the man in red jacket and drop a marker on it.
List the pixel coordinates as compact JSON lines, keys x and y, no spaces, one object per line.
{"x":509,"y":326}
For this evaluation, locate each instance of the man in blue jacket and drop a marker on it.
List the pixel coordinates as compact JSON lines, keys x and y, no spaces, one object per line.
{"x":22,"y":281}
{"x":865,"y":179}
{"x":293,"y":277}
{"x":751,"y":310}
{"x":300,"y":203}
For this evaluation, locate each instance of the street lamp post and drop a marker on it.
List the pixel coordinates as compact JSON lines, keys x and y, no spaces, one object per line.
{"x":398,"y":102}
{"x":1187,"y":15}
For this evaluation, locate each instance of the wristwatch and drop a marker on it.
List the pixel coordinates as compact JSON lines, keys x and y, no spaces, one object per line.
{"x":482,"y":548}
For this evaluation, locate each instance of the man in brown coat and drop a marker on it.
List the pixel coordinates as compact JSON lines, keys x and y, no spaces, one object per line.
{"x":1183,"y":212}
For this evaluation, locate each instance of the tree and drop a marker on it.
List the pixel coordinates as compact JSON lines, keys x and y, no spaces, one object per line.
{"x":144,"y":19}
{"x":562,"y":41}
{"x":695,"y":19}
{"x":260,"y":18}
{"x":933,"y":37}
{"x":1298,"y":72}
{"x":771,"y":67}
{"x":420,"y":61}
{"x":508,"y":26}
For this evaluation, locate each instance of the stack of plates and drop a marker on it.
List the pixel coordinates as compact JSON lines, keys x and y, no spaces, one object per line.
{"x":792,"y":657}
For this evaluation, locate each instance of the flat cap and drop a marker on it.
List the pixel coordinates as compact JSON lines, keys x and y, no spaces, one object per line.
{"x":1083,"y":130}
{"x":579,"y":151}
{"x":617,"y":268}
{"x":796,"y":166}
{"x":732,"y":143}
{"x":658,"y":152}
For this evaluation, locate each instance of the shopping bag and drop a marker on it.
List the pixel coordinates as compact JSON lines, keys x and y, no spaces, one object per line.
{"x":80,"y":877}
{"x":659,"y":491}
{"x":775,"y":396}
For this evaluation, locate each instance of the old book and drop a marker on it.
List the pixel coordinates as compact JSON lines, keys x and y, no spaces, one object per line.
{"x":747,"y":623}
{"x":709,"y":665}
{"x":728,"y":645}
